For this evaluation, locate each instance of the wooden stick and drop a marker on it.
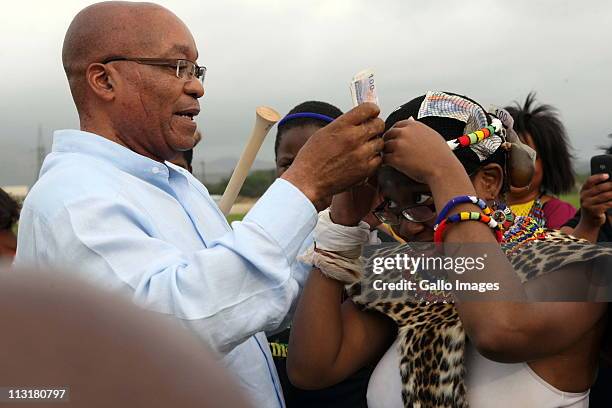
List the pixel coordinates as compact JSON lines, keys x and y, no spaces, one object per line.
{"x":265,"y":118}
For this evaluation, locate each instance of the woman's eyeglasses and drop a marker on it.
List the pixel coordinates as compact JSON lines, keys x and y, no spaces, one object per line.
{"x":413,"y":213}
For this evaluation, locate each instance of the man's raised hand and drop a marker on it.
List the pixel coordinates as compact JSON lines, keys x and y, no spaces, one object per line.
{"x":339,"y":155}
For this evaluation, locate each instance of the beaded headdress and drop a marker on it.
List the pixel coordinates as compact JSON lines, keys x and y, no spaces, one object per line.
{"x":480,"y":134}
{"x":476,"y":136}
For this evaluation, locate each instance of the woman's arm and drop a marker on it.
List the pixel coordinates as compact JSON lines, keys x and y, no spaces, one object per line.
{"x":517,"y":332}
{"x":501,"y":331}
{"x":331,"y":340}
{"x":512,"y":331}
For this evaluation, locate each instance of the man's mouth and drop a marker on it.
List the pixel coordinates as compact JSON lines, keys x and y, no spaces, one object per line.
{"x":188,"y":113}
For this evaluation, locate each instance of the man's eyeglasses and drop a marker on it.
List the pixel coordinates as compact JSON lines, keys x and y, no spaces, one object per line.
{"x":413,"y":213}
{"x":185,"y":69}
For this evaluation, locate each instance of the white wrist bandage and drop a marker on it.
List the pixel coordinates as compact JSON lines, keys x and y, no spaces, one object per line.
{"x":337,"y":249}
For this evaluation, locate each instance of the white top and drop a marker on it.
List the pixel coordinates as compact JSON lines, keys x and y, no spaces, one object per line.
{"x":129,"y":224}
{"x":488,"y":384}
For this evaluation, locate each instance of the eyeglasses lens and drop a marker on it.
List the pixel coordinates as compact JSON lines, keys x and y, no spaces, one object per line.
{"x":419,"y":213}
{"x":187,"y":70}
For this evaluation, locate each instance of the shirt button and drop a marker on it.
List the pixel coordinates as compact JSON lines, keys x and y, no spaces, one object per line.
{"x":155,"y":170}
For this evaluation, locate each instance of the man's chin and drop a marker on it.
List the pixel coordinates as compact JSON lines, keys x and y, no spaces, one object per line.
{"x":181,"y":133}
{"x":182,"y":142}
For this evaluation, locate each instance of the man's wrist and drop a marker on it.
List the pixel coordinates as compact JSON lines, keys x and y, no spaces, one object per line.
{"x":306,"y":187}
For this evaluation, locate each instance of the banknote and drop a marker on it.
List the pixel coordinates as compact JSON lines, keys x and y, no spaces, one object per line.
{"x":363,"y":88}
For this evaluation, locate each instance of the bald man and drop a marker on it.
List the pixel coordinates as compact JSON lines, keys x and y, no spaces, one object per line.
{"x":109,"y":204}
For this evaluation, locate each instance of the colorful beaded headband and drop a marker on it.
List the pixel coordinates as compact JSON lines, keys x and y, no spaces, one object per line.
{"x":310,"y":115}
{"x":477,"y":136}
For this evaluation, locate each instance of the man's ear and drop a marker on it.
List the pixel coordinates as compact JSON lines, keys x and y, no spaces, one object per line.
{"x":488,"y":181}
{"x":100,"y":81}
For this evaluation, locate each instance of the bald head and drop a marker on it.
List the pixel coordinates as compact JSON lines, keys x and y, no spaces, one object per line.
{"x":114,"y":28}
{"x":111,"y":29}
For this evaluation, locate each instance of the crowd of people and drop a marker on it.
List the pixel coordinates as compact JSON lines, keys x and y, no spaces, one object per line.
{"x":283,"y":297}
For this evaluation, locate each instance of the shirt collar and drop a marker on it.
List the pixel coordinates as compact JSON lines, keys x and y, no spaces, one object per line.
{"x":78,"y":141}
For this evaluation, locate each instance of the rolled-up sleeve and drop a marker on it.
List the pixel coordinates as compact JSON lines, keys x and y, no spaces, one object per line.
{"x":239,"y":285}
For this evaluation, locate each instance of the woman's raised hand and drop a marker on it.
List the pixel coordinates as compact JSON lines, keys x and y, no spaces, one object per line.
{"x":418,"y":151}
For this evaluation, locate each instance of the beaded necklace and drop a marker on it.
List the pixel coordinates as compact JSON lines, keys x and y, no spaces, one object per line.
{"x":519,"y":229}
{"x":533,"y":209}
{"x":525,"y":229}
{"x":537,"y":212}
{"x":504,"y":216}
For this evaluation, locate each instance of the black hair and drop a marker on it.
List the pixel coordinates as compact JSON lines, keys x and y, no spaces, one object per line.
{"x":551,"y":142}
{"x":9,"y":210}
{"x":322,"y":108}
{"x":608,"y":150}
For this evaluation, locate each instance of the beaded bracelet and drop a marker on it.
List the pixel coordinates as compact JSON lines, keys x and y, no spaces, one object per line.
{"x":476,"y":136}
{"x":467,"y":216}
{"x":465,"y":199}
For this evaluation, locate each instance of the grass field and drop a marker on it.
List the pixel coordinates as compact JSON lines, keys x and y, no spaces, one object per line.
{"x":234,"y":217}
{"x":572,"y":198}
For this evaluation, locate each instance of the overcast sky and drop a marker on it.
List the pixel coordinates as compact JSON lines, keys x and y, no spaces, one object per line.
{"x":280,"y":53}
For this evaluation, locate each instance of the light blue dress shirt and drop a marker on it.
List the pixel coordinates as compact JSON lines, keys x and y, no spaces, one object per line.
{"x":130,"y":224}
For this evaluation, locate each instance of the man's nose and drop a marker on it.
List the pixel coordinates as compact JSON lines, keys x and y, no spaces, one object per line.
{"x":194,"y":87}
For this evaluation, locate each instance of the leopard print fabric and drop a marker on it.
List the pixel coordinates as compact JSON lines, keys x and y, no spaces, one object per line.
{"x":431,"y":336}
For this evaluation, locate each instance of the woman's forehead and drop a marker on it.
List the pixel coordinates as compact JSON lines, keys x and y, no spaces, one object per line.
{"x":293,"y":139}
{"x":403,"y":191}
